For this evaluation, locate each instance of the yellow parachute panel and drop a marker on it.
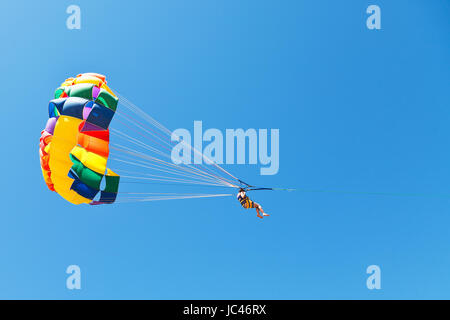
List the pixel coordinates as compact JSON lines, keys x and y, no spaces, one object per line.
{"x":64,"y":139}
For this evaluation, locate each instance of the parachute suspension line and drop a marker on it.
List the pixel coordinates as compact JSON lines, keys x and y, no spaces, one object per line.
{"x":191,"y":170}
{"x":162,"y":178}
{"x":197,"y":152}
{"x":164,"y":169}
{"x":209,"y":160}
{"x":132,"y":151}
{"x":131,"y":106}
{"x":158,"y":163}
{"x":163,"y":193}
{"x":158,"y":167}
{"x":150,"y":135}
{"x":157,"y":183}
{"x":248,"y":187}
{"x":139,"y":112}
{"x":137,"y":142}
{"x":128,"y":196}
{"x":161,"y":198}
{"x":270,"y":189}
{"x":147,"y":128}
{"x":158,"y":178}
{"x":133,"y":120}
{"x":192,"y":180}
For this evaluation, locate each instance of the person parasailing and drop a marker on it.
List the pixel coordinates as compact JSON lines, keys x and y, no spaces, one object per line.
{"x":247,"y":203}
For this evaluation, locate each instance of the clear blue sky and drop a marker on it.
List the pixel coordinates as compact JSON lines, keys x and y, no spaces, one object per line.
{"x":357,"y":110}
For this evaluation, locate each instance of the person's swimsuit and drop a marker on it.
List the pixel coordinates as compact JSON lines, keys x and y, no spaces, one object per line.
{"x":246,"y":202}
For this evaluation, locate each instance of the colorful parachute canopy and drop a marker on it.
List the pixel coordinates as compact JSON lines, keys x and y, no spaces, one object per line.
{"x":74,"y":146}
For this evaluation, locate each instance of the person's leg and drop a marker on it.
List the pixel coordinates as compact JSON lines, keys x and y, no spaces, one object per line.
{"x":261,"y":209}
{"x":257,"y":207}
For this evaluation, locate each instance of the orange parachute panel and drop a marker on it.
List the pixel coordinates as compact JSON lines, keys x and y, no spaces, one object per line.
{"x":94,"y":141}
{"x":44,"y":142}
